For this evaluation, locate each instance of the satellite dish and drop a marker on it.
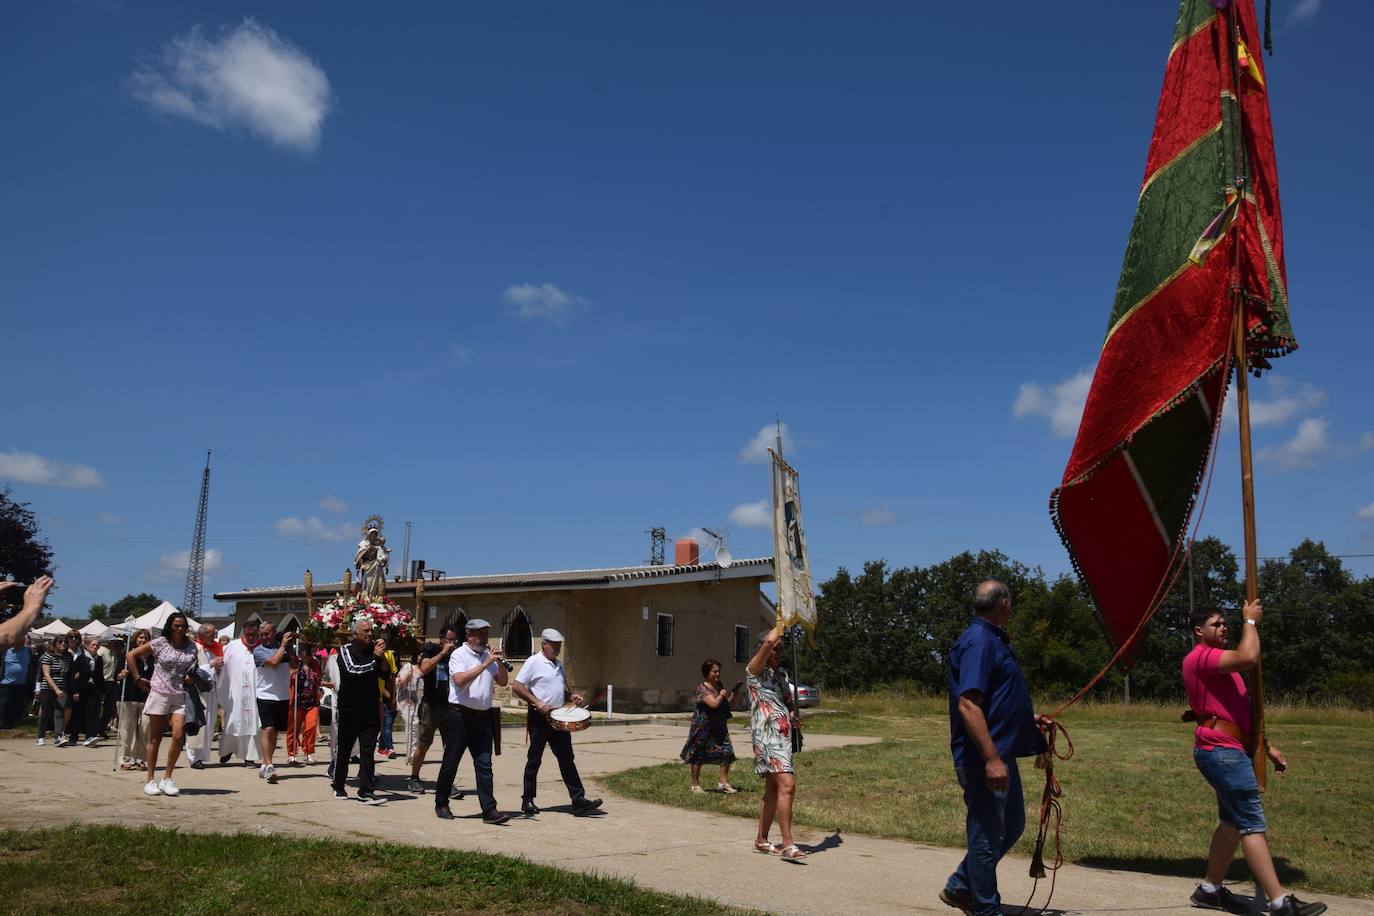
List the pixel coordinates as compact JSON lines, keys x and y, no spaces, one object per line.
{"x":723,"y":557}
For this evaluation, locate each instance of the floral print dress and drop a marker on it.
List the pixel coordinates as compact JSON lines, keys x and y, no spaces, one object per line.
{"x":708,"y":741}
{"x":770,"y":723}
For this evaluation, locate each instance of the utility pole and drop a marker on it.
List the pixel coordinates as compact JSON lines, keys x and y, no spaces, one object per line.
{"x":195,"y":566}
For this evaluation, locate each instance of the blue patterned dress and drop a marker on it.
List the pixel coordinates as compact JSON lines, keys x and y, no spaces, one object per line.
{"x":708,"y":740}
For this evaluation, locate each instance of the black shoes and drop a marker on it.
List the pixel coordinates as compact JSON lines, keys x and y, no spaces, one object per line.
{"x":340,"y":794}
{"x":959,"y":901}
{"x":367,"y":798}
{"x":443,"y":814}
{"x":1292,"y":906}
{"x":224,"y":759}
{"x":585,"y":806}
{"x":1219,"y":899}
{"x":528,"y":808}
{"x":495,"y":818}
{"x":197,"y":764}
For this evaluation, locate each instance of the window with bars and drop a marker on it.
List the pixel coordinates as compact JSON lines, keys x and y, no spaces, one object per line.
{"x":665,"y":635}
{"x":741,"y":643}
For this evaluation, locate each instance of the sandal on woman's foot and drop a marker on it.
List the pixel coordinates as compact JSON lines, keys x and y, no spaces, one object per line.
{"x":698,"y":790}
{"x":766,"y":848}
{"x":726,"y":788}
{"x":793,"y":852}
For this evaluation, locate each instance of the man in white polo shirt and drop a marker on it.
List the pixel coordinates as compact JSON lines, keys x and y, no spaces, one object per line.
{"x":473,"y":673}
{"x":543,"y":684}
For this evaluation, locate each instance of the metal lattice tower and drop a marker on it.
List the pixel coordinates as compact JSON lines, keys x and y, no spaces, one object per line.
{"x":656,"y":538}
{"x":195,"y":566}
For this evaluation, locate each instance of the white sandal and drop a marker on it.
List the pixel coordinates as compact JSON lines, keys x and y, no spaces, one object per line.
{"x":793,"y":852}
{"x":726,"y":788}
{"x":766,"y":848}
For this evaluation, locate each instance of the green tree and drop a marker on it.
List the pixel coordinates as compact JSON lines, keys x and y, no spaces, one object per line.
{"x":132,"y":605}
{"x":98,"y":611}
{"x":24,"y":556}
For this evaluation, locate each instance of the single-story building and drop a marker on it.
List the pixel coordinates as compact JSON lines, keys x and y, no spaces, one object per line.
{"x":643,"y":629}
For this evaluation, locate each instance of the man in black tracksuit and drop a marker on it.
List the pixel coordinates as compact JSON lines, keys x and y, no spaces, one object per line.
{"x":358,"y":709}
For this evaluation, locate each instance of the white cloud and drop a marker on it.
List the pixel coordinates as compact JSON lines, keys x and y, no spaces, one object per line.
{"x":1062,"y":403}
{"x":460,"y":355}
{"x":26,"y":467}
{"x":172,"y":567}
{"x":1304,"y":11}
{"x":542,"y":301}
{"x":877,"y":516}
{"x":756,"y":452}
{"x":110,"y":518}
{"x":333,"y":505}
{"x":1288,"y":401}
{"x":248,"y":77}
{"x":752,"y":515}
{"x":312,"y":529}
{"x":1309,"y":444}
{"x":1365,"y":512}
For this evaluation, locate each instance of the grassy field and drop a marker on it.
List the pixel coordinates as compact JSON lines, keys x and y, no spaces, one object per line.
{"x":1133,"y":799}
{"x":115,"y":870}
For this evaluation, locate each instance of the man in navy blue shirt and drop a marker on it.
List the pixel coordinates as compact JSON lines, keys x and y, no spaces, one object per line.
{"x":991,"y":723}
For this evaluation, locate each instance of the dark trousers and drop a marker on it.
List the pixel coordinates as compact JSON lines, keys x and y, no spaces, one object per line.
{"x":542,"y":733}
{"x":12,"y":697}
{"x":363,"y":728}
{"x":86,"y":713}
{"x":111,"y":706}
{"x":994,"y":823}
{"x":50,"y":713}
{"x":469,"y":730}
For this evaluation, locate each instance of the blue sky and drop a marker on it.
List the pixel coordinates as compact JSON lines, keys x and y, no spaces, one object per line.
{"x":534,"y":276}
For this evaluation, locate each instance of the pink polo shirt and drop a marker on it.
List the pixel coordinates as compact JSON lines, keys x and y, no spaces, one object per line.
{"x":1214,"y":693}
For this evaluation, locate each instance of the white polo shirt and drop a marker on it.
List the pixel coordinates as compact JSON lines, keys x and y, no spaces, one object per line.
{"x":477,"y":694}
{"x":545,"y":679}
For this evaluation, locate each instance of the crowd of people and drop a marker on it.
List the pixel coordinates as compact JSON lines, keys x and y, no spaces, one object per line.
{"x":177,"y":685}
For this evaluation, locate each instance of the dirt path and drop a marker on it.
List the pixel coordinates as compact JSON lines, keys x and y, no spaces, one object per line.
{"x":658,"y":847}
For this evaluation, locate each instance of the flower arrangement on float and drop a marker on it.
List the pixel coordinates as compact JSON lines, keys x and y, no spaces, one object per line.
{"x":336,"y":618}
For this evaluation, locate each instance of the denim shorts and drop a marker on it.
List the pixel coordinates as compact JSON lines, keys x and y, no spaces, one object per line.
{"x":1230,"y":772}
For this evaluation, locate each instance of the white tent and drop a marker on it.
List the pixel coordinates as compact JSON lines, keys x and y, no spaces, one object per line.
{"x":56,"y":628}
{"x":228,"y":630}
{"x":94,"y":628}
{"x":154,"y":619}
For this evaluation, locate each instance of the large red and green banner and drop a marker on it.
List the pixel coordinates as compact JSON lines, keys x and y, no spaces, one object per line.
{"x":1207,"y":230}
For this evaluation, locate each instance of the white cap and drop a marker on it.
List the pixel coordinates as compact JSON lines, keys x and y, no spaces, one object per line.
{"x":477,"y":623}
{"x":551,"y":635}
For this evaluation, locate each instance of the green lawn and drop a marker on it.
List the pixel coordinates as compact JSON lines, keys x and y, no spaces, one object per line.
{"x":1132,"y":797}
{"x":116,"y":870}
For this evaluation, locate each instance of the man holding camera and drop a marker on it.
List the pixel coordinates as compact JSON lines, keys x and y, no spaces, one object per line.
{"x":473,"y":674}
{"x":13,"y":630}
{"x":274,"y":662}
{"x":357,"y":708}
{"x":434,"y":706}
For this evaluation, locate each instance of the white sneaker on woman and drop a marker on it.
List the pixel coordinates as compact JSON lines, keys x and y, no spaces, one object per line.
{"x":152,"y":788}
{"x":168,"y":787}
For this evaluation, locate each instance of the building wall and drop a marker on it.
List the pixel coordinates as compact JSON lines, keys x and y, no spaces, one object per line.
{"x":611,"y":633}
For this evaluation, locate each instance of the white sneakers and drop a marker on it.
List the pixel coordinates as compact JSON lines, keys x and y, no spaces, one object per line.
{"x":309,"y":758}
{"x":152,"y":788}
{"x":90,"y":742}
{"x":168,"y":787}
{"x":268,"y":772}
{"x":41,"y":742}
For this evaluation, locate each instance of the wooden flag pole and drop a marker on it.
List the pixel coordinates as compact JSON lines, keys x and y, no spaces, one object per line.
{"x":1259,"y":756}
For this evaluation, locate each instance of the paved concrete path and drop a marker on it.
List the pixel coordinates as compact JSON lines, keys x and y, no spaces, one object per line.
{"x":659,"y":847}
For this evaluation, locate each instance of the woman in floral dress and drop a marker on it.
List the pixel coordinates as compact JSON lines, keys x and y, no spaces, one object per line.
{"x":708,"y":741}
{"x":771,"y":722}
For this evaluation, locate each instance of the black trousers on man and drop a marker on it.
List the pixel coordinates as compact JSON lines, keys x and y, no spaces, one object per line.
{"x":542,"y":733}
{"x":12,"y":698}
{"x":363,"y":727}
{"x":466,"y":729}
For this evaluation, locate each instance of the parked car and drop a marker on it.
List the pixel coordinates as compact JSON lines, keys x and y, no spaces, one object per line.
{"x":805,"y":697}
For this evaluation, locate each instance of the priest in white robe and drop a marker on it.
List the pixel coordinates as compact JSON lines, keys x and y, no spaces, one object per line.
{"x":238,"y":698}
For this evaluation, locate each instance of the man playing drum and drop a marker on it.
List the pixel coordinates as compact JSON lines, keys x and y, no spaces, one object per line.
{"x":543,"y":684}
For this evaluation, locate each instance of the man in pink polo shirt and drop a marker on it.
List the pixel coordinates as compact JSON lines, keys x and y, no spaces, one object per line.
{"x":1218,"y":698}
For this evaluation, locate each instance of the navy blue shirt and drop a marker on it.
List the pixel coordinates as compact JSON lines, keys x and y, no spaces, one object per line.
{"x":982,"y":660}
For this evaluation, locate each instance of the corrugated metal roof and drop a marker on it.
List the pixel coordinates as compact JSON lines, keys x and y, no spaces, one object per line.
{"x":760,"y":568}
